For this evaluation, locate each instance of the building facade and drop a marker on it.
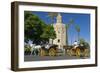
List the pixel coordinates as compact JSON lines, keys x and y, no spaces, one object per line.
{"x":60,"y":30}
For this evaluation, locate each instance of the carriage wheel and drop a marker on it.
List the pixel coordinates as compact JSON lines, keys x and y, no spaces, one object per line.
{"x":52,"y":52}
{"x":78,"y":52}
{"x":70,"y":52}
{"x":86,"y":53}
{"x":42,"y":53}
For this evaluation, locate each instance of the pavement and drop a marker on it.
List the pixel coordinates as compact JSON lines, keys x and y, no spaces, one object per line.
{"x":46,"y":58}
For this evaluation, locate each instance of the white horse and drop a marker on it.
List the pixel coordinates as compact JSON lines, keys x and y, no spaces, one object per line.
{"x":35,"y":47}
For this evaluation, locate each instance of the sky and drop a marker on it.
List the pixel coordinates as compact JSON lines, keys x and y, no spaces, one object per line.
{"x":82,"y":20}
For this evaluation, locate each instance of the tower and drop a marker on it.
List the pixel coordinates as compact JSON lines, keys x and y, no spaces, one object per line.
{"x":60,"y":30}
{"x":59,"y":18}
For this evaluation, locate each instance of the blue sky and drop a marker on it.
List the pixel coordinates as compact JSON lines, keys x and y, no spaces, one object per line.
{"x":82,"y":20}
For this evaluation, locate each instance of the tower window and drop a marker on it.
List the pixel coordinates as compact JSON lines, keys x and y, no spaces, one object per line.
{"x":58,"y":40}
{"x":58,"y":31}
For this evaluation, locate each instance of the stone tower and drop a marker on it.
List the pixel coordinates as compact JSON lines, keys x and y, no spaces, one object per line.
{"x":60,"y":30}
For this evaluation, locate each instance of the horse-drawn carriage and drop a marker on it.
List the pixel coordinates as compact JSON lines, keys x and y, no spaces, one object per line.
{"x":38,"y":50}
{"x":50,"y":51}
{"x":79,"y":51}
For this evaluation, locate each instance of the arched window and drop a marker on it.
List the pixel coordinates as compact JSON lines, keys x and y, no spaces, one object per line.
{"x":58,"y":40}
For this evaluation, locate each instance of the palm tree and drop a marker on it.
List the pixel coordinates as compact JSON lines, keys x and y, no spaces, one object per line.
{"x":71,"y":21}
{"x":67,"y":27}
{"x":52,"y":15}
{"x":78,"y":32}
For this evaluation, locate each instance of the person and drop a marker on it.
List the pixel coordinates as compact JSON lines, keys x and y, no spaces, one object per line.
{"x":75,"y":44}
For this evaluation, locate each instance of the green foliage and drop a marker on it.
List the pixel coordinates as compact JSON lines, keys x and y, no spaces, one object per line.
{"x":33,"y":26}
{"x":78,"y":32}
{"x":49,"y":32}
{"x":85,"y":44}
{"x":77,"y":28}
{"x":67,"y":26}
{"x":52,"y":32}
{"x":27,"y":48}
{"x":71,"y":21}
{"x":36,"y":29}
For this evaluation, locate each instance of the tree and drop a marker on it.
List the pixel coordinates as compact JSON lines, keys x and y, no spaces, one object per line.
{"x":48,"y":33}
{"x":52,"y":15}
{"x":78,"y":31}
{"x":36,"y":29}
{"x":71,"y":21}
{"x":84,"y":43}
{"x":33,"y":27}
{"x":52,"y":32}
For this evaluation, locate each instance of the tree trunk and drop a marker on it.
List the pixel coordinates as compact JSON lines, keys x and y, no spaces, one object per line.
{"x":66,"y":37}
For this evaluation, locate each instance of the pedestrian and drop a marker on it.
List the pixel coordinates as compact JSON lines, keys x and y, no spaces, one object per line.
{"x":75,"y":44}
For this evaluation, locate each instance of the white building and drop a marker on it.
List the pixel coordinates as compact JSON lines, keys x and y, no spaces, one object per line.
{"x":60,"y":30}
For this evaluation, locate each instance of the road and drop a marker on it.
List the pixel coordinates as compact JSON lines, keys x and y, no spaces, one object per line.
{"x":43,"y":58}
